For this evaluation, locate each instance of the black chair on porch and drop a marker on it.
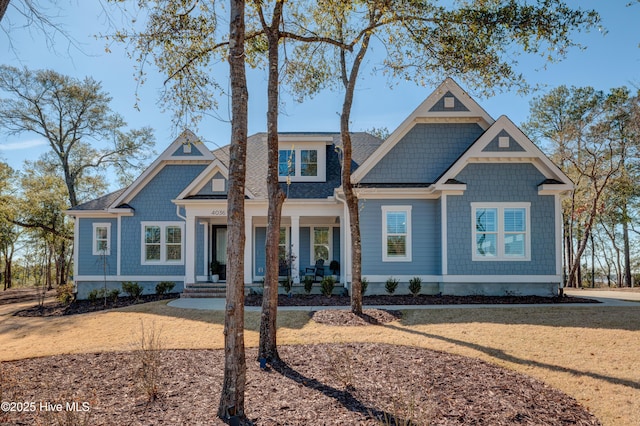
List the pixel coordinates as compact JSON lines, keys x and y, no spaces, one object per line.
{"x":316,"y":271}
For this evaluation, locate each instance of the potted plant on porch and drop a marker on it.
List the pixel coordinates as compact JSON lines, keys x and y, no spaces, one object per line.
{"x":216,"y":268}
{"x":335,"y":268}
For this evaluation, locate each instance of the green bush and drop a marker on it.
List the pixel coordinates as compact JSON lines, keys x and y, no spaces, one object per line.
{"x":64,"y":293}
{"x":415,"y":285}
{"x":164,"y":287}
{"x":327,"y":285}
{"x":113,"y":295}
{"x":95,"y":294}
{"x":286,"y":284}
{"x":391,"y":285}
{"x":364,"y":283}
{"x":132,"y":289}
{"x":308,"y":284}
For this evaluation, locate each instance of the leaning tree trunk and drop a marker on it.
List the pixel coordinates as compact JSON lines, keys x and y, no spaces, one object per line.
{"x":232,"y":395}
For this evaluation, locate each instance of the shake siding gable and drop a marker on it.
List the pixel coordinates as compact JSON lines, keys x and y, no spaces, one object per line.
{"x":153,"y":204}
{"x":440,"y":107}
{"x":501,"y":183}
{"x":425,"y":238}
{"x":424,"y":153}
{"x":493,"y":146}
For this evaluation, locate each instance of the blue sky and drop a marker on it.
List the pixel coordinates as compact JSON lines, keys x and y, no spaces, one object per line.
{"x":610,"y":60}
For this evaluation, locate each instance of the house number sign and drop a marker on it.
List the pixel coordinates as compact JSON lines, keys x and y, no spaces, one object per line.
{"x":219,"y":212}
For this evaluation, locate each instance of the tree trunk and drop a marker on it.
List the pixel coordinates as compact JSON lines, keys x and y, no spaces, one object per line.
{"x":3,"y":8}
{"x":350,"y":196}
{"x":232,"y":395}
{"x":627,"y":248}
{"x":267,"y":347}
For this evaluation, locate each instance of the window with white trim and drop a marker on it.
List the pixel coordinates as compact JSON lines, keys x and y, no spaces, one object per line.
{"x":396,"y":233}
{"x":101,"y":239}
{"x":501,"y":231}
{"x":321,"y":244}
{"x":162,"y":243}
{"x":302,"y":163}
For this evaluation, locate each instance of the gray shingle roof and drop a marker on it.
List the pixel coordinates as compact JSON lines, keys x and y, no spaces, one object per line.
{"x":363,"y":145}
{"x":100,"y":203}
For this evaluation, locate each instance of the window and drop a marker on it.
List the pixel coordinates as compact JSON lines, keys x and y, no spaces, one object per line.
{"x":286,"y":162}
{"x":501,"y":231}
{"x":309,"y":162}
{"x":304,"y":163}
{"x":283,"y":244}
{"x":321,"y":247}
{"x":101,"y":239}
{"x":396,"y":233}
{"x":162,"y":243}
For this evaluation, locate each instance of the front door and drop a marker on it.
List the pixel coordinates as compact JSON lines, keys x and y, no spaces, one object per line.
{"x":219,"y":249}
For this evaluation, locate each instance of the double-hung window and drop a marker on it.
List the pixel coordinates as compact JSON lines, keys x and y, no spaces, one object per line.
{"x":501,"y":231}
{"x":396,"y":233}
{"x":101,"y":239}
{"x":321,"y":244}
{"x":162,"y":243}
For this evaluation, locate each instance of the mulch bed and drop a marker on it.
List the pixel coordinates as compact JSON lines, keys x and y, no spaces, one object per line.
{"x":320,"y":300}
{"x":328,"y":384}
{"x":55,"y":309}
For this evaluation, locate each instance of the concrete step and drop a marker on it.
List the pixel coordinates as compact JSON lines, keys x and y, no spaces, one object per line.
{"x":204,"y":290}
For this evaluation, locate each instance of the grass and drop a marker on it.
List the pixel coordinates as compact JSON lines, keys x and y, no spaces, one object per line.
{"x":590,"y":353}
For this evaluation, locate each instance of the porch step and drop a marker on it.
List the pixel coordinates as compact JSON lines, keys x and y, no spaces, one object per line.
{"x":202,"y":290}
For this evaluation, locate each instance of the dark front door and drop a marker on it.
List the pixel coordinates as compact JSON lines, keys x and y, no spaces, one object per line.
{"x":219,"y":248}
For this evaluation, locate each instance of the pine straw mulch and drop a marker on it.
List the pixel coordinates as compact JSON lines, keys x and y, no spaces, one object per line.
{"x":328,"y":384}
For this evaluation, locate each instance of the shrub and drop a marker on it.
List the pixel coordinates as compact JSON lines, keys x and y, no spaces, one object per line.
{"x":327,"y":285}
{"x":415,"y":285}
{"x":365,"y":284}
{"x":132,"y":289}
{"x":164,"y":287}
{"x":64,"y":293}
{"x":391,"y":285}
{"x":113,"y":295}
{"x":148,"y":354}
{"x":308,"y":284}
{"x":286,"y":284}
{"x":95,"y":294}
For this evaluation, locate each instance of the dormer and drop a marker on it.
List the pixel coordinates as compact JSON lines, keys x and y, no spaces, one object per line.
{"x":303,"y":158}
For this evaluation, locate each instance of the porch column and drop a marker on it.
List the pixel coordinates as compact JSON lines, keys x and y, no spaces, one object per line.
{"x":346,"y":232}
{"x":295,"y":249}
{"x":189,"y":251}
{"x":248,"y":248}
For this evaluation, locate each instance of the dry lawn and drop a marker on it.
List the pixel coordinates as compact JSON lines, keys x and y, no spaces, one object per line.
{"x":590,"y":353}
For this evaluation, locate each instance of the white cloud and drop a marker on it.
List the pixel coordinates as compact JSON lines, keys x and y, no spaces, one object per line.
{"x":15,"y":146}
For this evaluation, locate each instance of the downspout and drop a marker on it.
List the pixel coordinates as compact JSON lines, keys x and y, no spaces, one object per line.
{"x":179,"y":215}
{"x":343,"y":250}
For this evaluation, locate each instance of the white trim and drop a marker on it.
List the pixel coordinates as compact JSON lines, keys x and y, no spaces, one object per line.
{"x":312,"y":243}
{"x":119,"y":246}
{"x":385,"y":256}
{"x":321,"y":156}
{"x":166,"y":158}
{"x":500,"y":232}
{"x":443,"y":233}
{"x":475,"y":112}
{"x":163,"y":242}
{"x":470,"y":278}
{"x":557,"y":213}
{"x":94,"y":240}
{"x":76,"y":248}
{"x":142,"y":278}
{"x":531,"y":154}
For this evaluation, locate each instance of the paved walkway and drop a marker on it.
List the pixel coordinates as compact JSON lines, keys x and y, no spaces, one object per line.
{"x":608,"y":298}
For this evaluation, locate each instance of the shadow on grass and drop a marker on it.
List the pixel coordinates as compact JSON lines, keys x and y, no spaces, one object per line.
{"x":286,"y":319}
{"x":343,"y":397}
{"x":500,"y":354}
{"x":595,"y":317}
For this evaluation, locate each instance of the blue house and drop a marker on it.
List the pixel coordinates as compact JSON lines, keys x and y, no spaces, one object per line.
{"x":465,"y":202}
